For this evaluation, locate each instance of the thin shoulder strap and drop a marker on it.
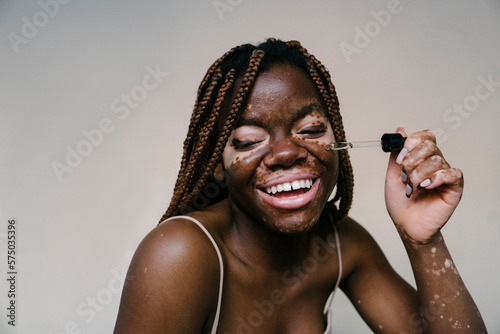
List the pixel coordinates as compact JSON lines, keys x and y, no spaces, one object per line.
{"x":339,"y":255}
{"x":221,"y":266}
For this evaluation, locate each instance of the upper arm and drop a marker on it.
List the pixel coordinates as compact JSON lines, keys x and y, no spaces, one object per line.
{"x":386,"y":302}
{"x":172,"y":283}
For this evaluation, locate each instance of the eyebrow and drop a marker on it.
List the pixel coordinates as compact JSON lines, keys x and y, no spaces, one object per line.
{"x":301,"y":113}
{"x":306,"y":110}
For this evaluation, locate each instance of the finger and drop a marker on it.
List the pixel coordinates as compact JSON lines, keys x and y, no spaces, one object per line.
{"x":449,"y":176}
{"x":413,"y":141}
{"x":424,"y":172}
{"x":394,"y":168}
{"x":401,"y":129}
{"x":419,"y":155}
{"x":418,"y":147}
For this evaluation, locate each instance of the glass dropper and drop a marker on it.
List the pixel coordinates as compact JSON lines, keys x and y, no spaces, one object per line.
{"x":389,"y":142}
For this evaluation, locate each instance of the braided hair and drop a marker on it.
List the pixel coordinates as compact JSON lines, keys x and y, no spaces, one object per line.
{"x":219,"y":104}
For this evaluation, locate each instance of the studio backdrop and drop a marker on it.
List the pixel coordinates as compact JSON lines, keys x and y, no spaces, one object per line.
{"x":95,"y":101}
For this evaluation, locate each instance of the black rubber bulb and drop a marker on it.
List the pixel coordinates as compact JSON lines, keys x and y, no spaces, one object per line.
{"x":392,"y":142}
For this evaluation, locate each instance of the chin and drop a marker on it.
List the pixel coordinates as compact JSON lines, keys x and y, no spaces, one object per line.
{"x":291,"y":225}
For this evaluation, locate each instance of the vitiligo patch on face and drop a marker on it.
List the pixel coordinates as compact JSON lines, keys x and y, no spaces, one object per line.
{"x":276,"y":154}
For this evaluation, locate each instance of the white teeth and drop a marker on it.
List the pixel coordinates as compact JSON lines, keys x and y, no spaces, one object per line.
{"x":288,"y":186}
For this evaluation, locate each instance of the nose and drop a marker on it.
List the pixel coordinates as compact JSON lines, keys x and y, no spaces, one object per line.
{"x":284,"y":152}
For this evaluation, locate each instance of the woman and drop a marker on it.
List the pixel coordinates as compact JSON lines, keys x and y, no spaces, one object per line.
{"x":250,"y":242}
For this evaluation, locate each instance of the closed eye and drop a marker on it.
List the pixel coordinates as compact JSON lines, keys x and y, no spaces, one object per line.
{"x":244,"y":145}
{"x":312,"y":131}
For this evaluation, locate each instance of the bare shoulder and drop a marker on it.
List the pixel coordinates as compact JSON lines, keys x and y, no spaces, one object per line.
{"x":176,"y":244}
{"x":351,"y":232}
{"x":180,"y":243}
{"x":174,"y":281}
{"x":358,"y":246}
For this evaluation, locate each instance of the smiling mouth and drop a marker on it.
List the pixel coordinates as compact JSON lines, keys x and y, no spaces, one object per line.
{"x":290,"y":195}
{"x":290,"y":189}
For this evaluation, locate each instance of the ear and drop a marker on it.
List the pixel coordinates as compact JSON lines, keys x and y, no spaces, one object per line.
{"x":219,"y":172}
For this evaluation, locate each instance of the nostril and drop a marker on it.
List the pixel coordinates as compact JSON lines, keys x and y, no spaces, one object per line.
{"x":285,"y":154}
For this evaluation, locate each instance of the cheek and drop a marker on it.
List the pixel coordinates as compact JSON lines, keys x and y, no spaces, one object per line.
{"x":243,"y":162}
{"x":329,"y":158}
{"x":317,"y":147}
{"x":232,"y":158}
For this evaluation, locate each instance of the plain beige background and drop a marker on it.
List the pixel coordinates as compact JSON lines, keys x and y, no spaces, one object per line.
{"x":70,"y":72}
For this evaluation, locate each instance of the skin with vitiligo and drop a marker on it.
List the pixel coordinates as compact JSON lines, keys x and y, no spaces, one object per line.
{"x":266,"y":239}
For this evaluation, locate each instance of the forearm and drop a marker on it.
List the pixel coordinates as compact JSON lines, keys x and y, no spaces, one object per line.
{"x":445,"y":303}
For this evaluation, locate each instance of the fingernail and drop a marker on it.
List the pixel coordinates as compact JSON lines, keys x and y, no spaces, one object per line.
{"x":409,"y":190}
{"x":404,"y":177}
{"x":400,"y":127}
{"x":401,"y":155}
{"x":425,"y":183}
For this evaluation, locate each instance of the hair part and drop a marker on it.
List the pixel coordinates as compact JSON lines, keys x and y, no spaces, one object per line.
{"x":221,"y":99}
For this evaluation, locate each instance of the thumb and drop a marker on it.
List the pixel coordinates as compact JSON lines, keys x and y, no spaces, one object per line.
{"x":394,"y":166}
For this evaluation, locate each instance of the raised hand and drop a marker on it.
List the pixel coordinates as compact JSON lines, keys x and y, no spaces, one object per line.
{"x":421,"y":189}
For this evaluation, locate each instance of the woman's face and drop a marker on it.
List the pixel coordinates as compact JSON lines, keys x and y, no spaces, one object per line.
{"x":280,"y":172}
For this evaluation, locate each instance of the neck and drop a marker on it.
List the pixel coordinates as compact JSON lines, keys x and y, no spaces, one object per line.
{"x":258,"y":246}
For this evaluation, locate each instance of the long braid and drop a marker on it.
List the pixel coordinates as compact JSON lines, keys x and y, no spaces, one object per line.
{"x":203,"y":97}
{"x":203,"y":146}
{"x":191,"y":177}
{"x":207,"y":86}
{"x":205,"y":111}
{"x":346,"y":173}
{"x":211,"y":70}
{"x":187,"y":161}
{"x":207,"y":132}
{"x":236,"y":109}
{"x":345,"y":180}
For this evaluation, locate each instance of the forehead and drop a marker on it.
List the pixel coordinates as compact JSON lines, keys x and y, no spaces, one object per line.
{"x":282,"y":92}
